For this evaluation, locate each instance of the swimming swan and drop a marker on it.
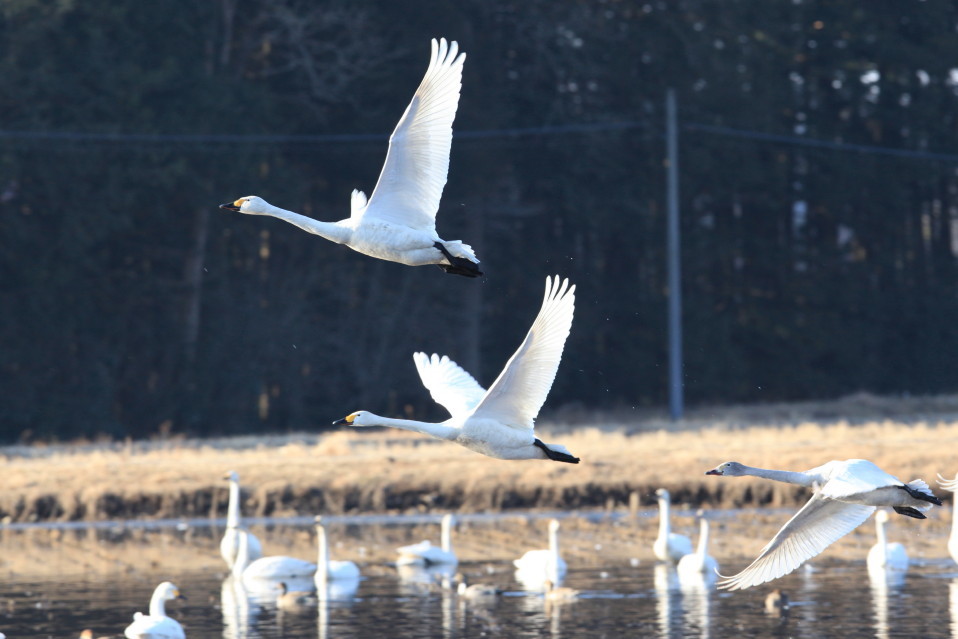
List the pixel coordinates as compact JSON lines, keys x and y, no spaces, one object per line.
{"x":425,"y":554}
{"x":498,"y":422}
{"x":229,"y":545}
{"x":883,"y":555}
{"x":157,"y":625}
{"x":398,"y":222}
{"x":536,"y":568}
{"x":329,"y":570}
{"x":269,"y":569}
{"x":699,"y":564}
{"x":952,"y":486}
{"x":669,"y":546}
{"x":846,"y":494}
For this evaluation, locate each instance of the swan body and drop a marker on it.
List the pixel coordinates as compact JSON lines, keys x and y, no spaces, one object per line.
{"x":425,"y":554}
{"x":952,"y":486}
{"x":398,"y":222}
{"x":157,"y":625}
{"x":264,"y":573}
{"x":669,"y":546}
{"x":885,"y":556}
{"x":329,"y":571}
{"x":498,"y":422}
{"x":229,"y":545}
{"x":846,"y":494}
{"x":698,"y":564}
{"x":537,"y":567}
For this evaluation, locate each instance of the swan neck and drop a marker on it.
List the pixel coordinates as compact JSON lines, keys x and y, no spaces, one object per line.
{"x":954,"y":519}
{"x":439,"y":431}
{"x":703,"y":537}
{"x":233,"y":507}
{"x":242,"y":553}
{"x":786,"y":476}
{"x":157,"y":606}
{"x":446,"y":535}
{"x":329,"y":230}
{"x":322,"y":559}
{"x":664,"y":525}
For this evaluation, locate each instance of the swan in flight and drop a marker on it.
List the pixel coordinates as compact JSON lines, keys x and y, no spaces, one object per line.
{"x":229,"y":545}
{"x":952,"y":486}
{"x":157,"y":625}
{"x":537,"y":568}
{"x":699,"y":565}
{"x":846,"y":493}
{"x":425,"y":554}
{"x":333,"y":579}
{"x":398,"y":222}
{"x":669,"y":546}
{"x":885,"y":556}
{"x":498,"y":422}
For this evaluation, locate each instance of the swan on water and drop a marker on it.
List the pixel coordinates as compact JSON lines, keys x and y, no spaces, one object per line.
{"x":229,"y":545}
{"x":951,"y":485}
{"x":263,"y":574}
{"x":846,"y":493}
{"x":498,"y":422}
{"x":398,"y":222}
{"x":699,"y":564}
{"x":425,"y":554}
{"x":157,"y":625}
{"x":536,"y":567}
{"x":669,"y":546}
{"x":885,"y":556}
{"x":334,"y":579}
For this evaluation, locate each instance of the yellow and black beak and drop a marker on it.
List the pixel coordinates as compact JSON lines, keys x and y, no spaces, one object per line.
{"x":180,"y":596}
{"x":232,"y":206}
{"x":348,"y":419}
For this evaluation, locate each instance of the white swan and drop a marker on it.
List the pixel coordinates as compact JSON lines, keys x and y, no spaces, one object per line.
{"x":498,"y":422}
{"x":952,"y":486}
{"x":425,"y":554}
{"x":668,"y":546}
{"x":157,"y":625}
{"x":536,"y":567}
{"x":334,"y":579}
{"x":398,"y":223}
{"x":846,"y":494}
{"x":263,"y":574}
{"x":699,"y":564}
{"x":229,"y":545}
{"x":885,"y":556}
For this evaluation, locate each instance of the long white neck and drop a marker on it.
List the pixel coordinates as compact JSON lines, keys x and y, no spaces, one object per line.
{"x":553,"y":567}
{"x":322,"y":559}
{"x":954,"y":521}
{"x":233,"y":509}
{"x":664,"y":526}
{"x":703,"y":537}
{"x":332,"y":231}
{"x":882,"y":539}
{"x":242,"y":553}
{"x":447,"y":533}
{"x":787,"y":476}
{"x":157,"y":606}
{"x":439,"y":431}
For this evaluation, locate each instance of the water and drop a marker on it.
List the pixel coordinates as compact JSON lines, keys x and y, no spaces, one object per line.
{"x":835,"y":599}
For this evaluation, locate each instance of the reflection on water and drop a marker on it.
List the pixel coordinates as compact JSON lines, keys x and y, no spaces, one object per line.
{"x":953,"y":606}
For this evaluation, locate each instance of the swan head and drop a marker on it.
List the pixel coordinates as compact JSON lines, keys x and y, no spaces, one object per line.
{"x":168,"y":591}
{"x":359,"y":418}
{"x":662,"y":494}
{"x":250,"y":204}
{"x":554,"y":525}
{"x":881,"y":516}
{"x":231,"y":475}
{"x":728,"y":469}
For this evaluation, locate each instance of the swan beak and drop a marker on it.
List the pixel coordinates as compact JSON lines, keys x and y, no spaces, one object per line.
{"x":230,"y":206}
{"x":712,"y":472}
{"x":340,"y":422}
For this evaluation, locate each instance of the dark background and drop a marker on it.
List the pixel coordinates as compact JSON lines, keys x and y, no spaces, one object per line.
{"x":132,"y":306}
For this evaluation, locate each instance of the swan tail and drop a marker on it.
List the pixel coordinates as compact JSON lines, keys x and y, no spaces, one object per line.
{"x":908,"y":511}
{"x":462,"y":261}
{"x":556,"y":452}
{"x":919,"y":490}
{"x":357,"y":203}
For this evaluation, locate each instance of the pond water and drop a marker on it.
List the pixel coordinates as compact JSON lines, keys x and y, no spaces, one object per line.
{"x":833,"y":599}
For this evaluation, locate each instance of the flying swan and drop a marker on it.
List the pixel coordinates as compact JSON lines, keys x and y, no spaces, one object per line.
{"x":398,"y":222}
{"x":229,"y":545}
{"x":157,"y":625}
{"x":846,"y":493}
{"x":497,"y":422}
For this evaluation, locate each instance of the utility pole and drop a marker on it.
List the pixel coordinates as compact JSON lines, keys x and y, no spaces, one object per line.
{"x":673,"y":252}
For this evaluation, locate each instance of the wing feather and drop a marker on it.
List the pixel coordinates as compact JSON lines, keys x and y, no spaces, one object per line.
{"x":523,"y":385}
{"x":448,"y":383}
{"x":948,"y":484}
{"x":417,"y":163}
{"x":819,"y":523}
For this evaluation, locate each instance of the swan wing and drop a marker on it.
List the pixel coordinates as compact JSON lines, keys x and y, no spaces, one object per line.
{"x":948,"y":484}
{"x":819,"y":523}
{"x":521,"y":388}
{"x":417,"y":162}
{"x":448,"y":383}
{"x":856,"y":477}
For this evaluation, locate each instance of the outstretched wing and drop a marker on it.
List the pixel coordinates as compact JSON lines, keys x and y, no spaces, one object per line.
{"x":417,"y":162}
{"x":448,"y":383}
{"x":819,"y":523}
{"x":523,"y":385}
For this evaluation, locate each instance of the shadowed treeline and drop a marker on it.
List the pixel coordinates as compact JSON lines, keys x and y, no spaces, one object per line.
{"x":133,"y":307}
